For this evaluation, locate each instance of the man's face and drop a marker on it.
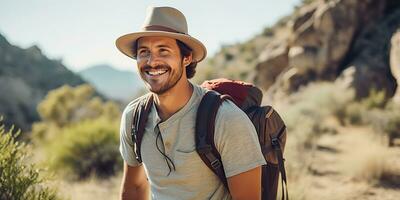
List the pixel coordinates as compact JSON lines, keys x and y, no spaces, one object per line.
{"x":159,"y":63}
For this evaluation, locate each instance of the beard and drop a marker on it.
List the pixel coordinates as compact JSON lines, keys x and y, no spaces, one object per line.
{"x":161,"y":83}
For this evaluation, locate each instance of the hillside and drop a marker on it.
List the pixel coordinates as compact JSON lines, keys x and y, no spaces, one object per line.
{"x":26,"y":75}
{"x":347,"y":41}
{"x":114,"y":83}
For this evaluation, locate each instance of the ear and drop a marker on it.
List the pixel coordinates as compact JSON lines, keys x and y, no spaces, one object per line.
{"x":187,"y":60}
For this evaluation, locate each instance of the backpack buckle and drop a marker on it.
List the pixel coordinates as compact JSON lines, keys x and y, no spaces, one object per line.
{"x":275,"y":143}
{"x":215,"y":164}
{"x":133,"y":132}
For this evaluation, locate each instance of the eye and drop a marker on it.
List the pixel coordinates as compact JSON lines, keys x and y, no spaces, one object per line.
{"x":164,"y":51}
{"x":143,"y":53}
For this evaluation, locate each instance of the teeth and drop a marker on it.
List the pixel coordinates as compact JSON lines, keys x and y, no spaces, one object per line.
{"x":158,"y":72}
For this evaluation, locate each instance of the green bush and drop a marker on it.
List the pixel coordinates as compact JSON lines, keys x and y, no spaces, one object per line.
{"x":393,"y":128}
{"x":19,"y":180}
{"x":307,"y":111}
{"x":86,"y":148}
{"x":387,"y":121}
{"x":316,"y":101}
{"x":79,"y":132}
{"x":363,"y":111}
{"x":268,"y":31}
{"x":375,"y":99}
{"x":66,"y":105}
{"x":374,"y":110}
{"x":306,"y":2}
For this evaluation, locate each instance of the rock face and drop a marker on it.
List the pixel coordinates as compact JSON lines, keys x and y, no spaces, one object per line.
{"x":369,"y":58}
{"x":330,"y":39}
{"x":272,"y":62}
{"x":395,"y":62}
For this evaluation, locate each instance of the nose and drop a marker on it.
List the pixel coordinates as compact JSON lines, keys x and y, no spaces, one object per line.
{"x":152,"y":60}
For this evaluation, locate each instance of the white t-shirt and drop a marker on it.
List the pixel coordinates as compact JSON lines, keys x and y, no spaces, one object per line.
{"x":235,"y":138}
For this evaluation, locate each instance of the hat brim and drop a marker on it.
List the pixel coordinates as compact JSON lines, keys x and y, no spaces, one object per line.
{"x":125,"y":42}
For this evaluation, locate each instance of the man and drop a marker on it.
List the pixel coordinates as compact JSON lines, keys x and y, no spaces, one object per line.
{"x":166,"y":58}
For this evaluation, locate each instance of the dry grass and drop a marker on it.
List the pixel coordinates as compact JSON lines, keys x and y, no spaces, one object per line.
{"x":91,"y":189}
{"x":369,"y":159}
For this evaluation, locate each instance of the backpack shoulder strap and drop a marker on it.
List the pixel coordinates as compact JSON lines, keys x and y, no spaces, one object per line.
{"x":281,"y":164}
{"x":140,"y":114}
{"x":204,"y":133}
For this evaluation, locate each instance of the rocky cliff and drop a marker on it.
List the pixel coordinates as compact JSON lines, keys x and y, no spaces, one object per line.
{"x":352,"y":42}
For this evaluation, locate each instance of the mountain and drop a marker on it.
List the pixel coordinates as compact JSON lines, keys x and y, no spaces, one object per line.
{"x":113,"y":83}
{"x":26,"y":75}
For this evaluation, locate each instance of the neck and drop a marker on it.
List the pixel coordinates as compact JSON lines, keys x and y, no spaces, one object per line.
{"x":173,"y":100}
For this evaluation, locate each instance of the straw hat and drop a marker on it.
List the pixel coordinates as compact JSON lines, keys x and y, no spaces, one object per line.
{"x":163,"y":21}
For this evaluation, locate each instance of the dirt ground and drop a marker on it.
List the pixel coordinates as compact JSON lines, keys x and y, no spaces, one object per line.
{"x":337,"y":154}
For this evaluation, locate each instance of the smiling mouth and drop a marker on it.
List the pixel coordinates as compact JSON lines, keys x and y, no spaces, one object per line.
{"x":156,"y":72}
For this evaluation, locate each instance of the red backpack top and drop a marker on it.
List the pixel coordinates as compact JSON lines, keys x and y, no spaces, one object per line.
{"x":269,"y":125}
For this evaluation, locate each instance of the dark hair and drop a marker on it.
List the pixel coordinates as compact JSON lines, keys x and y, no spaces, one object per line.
{"x":184,"y":50}
{"x":134,"y":49}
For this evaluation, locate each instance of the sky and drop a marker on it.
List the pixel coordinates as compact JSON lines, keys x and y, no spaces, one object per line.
{"x":82,"y":33}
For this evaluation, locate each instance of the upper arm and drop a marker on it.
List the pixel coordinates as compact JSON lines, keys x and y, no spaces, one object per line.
{"x":236,"y":141}
{"x":134,"y":176}
{"x":134,"y":183}
{"x":246,"y":185}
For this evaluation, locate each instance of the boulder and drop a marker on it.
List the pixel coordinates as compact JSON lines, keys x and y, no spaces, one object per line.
{"x":323,"y":34}
{"x":369,"y":60}
{"x":272,"y":61}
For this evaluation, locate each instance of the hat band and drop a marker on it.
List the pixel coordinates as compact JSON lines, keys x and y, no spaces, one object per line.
{"x":160,"y":28}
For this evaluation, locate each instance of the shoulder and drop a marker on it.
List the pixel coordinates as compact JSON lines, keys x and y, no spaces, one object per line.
{"x":231,"y":120}
{"x":229,"y":112}
{"x":131,"y":105}
{"x":199,"y":91}
{"x":127,"y":114}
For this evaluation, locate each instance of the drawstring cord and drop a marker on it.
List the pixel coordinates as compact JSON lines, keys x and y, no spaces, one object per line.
{"x":167,"y":159}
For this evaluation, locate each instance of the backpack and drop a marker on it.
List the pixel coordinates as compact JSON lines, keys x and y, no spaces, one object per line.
{"x":269,"y":125}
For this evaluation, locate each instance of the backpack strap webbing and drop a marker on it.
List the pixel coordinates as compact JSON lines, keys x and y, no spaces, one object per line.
{"x":281,"y":165}
{"x":140,"y":114}
{"x":204,"y":133}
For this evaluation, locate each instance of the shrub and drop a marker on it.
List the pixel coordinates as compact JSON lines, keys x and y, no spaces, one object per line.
{"x":393,"y":128}
{"x":306,"y":2}
{"x":268,"y":31}
{"x":386,"y":121}
{"x":375,"y":99}
{"x":90,"y":147}
{"x":359,"y":112}
{"x":19,"y":180}
{"x":67,"y":105}
{"x":314,"y":104}
{"x":78,"y":132}
{"x":229,"y":56}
